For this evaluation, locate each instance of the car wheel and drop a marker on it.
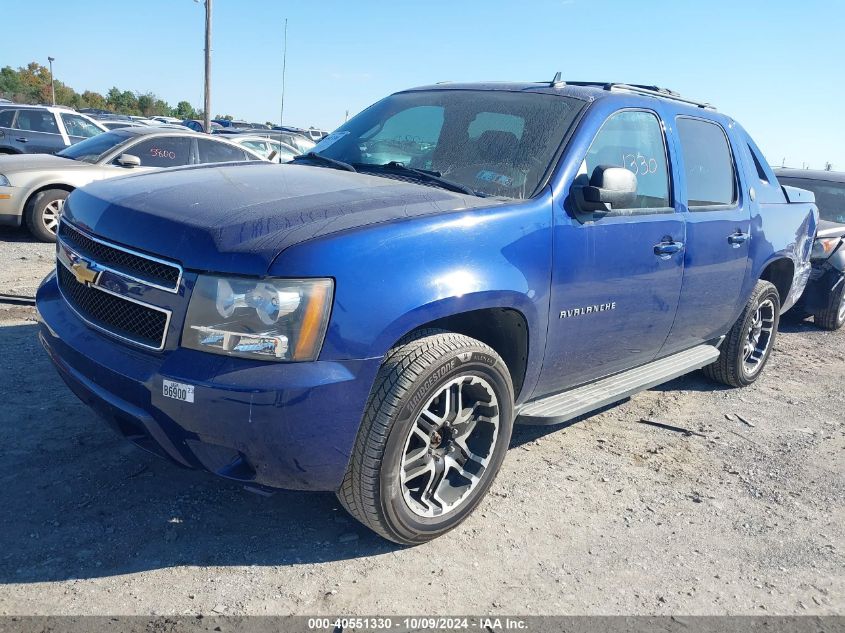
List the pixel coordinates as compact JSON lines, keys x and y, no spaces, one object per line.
{"x":749,"y":342}
{"x":44,"y":212}
{"x":434,"y":434}
{"x":833,"y":316}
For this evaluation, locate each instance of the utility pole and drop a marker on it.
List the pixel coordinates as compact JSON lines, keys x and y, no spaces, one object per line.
{"x":52,"y":83}
{"x":284,"y":69}
{"x":207,"y":102}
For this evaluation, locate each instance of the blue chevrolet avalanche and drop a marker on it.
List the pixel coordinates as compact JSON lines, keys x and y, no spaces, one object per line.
{"x":373,"y":318}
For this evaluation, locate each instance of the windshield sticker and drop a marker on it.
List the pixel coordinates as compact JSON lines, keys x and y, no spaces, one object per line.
{"x":330,"y":140}
{"x":491,"y":176}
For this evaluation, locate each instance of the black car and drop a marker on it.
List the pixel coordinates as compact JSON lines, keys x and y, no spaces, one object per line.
{"x":824,"y":297}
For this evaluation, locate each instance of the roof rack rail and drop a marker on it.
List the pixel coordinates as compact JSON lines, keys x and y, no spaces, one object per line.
{"x":652,"y":91}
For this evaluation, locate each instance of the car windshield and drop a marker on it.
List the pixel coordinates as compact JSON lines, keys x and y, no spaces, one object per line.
{"x":90,"y":150}
{"x":492,"y":142}
{"x":830,"y":196}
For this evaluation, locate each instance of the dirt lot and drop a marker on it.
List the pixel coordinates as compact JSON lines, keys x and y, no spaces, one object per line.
{"x":603,"y":516}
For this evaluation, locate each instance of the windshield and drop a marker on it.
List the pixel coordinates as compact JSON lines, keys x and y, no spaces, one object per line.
{"x":830,"y":196}
{"x":492,"y":142}
{"x":89,"y":150}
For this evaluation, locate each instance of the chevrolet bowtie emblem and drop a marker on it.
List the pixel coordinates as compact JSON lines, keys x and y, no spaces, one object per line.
{"x":82,"y":271}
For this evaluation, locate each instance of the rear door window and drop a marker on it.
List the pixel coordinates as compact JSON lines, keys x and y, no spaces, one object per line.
{"x":6,"y":117}
{"x":214,"y":152}
{"x":708,"y":164}
{"x":36,"y":121}
{"x":167,"y":151}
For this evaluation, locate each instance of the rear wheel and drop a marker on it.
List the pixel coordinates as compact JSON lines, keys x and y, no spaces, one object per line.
{"x":833,"y":316}
{"x":749,"y":342}
{"x":435,"y":432}
{"x":44,"y":212}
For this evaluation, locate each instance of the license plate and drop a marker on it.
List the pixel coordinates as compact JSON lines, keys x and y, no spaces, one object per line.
{"x":178,"y":391}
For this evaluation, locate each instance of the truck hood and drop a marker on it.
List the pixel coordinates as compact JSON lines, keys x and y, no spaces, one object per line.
{"x":237,"y":218}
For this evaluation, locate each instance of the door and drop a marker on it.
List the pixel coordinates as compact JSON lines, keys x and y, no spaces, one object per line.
{"x":718,"y":232}
{"x":616,"y":277}
{"x":161,"y":151}
{"x":211,"y":151}
{"x":37,"y":132}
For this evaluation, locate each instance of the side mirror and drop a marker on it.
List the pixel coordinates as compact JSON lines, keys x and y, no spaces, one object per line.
{"x":128,"y":160}
{"x":610,"y":188}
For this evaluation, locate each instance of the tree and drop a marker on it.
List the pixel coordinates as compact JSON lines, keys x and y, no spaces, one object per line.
{"x":185,"y":110}
{"x":31,"y":84}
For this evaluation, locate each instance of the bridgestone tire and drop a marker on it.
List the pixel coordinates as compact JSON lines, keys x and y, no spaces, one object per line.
{"x":412,"y":373}
{"x":832,"y":317}
{"x":35,"y":213}
{"x":729,"y":368}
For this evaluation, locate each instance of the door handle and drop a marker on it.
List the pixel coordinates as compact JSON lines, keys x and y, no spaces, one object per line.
{"x":666,"y":248}
{"x":738,"y":238}
{"x":22,"y":139}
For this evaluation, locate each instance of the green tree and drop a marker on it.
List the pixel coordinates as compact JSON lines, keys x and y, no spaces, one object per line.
{"x":184,"y":110}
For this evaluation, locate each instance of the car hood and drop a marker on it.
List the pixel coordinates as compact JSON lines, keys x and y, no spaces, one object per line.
{"x":237,"y":218}
{"x":19,"y":163}
{"x":830,"y":229}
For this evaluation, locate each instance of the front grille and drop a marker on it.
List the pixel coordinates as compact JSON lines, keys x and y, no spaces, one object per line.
{"x":135,"y":265}
{"x":126,"y":319}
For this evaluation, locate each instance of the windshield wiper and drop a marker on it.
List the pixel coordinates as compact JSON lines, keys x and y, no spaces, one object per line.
{"x":331,"y":162}
{"x":430,"y":176}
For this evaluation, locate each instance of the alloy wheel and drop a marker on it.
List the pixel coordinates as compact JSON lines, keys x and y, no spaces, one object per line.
{"x":52,"y":213}
{"x":449,"y":446}
{"x":759,"y":337}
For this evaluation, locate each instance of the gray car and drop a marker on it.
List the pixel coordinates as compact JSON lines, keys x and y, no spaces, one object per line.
{"x":33,"y":188}
{"x":26,"y":129}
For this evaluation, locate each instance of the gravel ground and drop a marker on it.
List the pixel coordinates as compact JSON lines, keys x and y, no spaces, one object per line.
{"x":606,"y":515}
{"x":23,"y":262}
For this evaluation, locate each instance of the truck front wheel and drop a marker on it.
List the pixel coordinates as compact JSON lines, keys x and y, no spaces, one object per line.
{"x":435,"y":432}
{"x":749,"y":342}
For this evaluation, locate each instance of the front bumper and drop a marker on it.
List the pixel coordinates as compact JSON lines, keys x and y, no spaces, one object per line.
{"x":279,"y":425}
{"x":824,"y":279}
{"x":11,"y":205}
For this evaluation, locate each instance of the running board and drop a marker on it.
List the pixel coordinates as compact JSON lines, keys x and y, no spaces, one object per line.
{"x":595,"y":395}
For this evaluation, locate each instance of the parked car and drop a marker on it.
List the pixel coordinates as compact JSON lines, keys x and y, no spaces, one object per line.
{"x":373,"y":326}
{"x":315,"y":134}
{"x":267,"y":147}
{"x":42,"y":129}
{"x":33,"y":188}
{"x":199,"y":126}
{"x":113,"y":124}
{"x":300,"y":143}
{"x":232,"y":123}
{"x":824,"y":297}
{"x":172,"y":120}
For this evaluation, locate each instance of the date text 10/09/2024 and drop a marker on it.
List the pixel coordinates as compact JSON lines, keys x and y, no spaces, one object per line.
{"x":418,"y":623}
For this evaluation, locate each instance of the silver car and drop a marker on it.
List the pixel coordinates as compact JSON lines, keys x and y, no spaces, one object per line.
{"x":269,"y":148}
{"x":33,"y":187}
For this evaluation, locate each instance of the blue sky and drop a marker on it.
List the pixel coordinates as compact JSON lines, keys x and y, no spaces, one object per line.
{"x":775,"y":66}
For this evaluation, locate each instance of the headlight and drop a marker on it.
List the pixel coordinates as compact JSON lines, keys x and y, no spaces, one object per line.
{"x":271,"y":319}
{"x":4,"y":182}
{"x":823,"y":247}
